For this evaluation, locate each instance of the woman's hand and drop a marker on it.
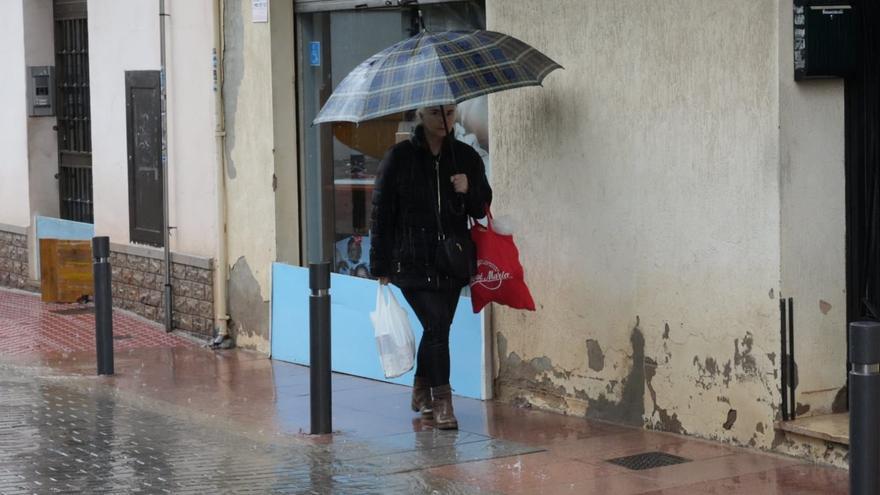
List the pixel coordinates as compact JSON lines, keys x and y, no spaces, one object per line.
{"x":459,"y":183}
{"x":384,"y":280}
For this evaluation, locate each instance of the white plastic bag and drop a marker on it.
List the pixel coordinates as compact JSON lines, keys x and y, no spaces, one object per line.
{"x":394,"y":337}
{"x":504,"y":224}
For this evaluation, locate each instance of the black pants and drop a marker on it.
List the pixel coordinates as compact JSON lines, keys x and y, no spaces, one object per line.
{"x":435,"y":310}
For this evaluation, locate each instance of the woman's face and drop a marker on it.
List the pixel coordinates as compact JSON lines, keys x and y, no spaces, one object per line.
{"x":432,"y":120}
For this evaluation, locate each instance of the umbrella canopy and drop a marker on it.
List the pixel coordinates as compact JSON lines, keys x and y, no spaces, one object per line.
{"x":432,"y":69}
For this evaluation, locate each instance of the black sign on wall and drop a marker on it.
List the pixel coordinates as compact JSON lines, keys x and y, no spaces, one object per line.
{"x":824,"y":39}
{"x":144,"y":133}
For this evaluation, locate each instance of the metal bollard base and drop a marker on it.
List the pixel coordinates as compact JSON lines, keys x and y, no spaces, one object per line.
{"x":864,"y":437}
{"x":864,"y":408}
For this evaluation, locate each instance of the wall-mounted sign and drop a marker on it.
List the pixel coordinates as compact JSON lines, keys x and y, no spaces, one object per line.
{"x":259,"y":10}
{"x":825,"y":37}
{"x":315,"y":53}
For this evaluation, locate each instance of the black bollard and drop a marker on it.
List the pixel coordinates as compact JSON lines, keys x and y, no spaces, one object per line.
{"x":319,"y":347}
{"x":103,"y":304}
{"x":864,"y":408}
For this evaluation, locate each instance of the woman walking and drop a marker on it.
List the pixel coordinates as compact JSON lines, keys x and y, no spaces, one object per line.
{"x":427,"y":186}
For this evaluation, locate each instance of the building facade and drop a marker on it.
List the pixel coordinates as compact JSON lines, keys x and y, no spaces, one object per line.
{"x":673,"y":188}
{"x":88,"y":161}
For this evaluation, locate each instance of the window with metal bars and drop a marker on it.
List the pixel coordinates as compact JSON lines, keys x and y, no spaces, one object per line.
{"x":73,"y":111}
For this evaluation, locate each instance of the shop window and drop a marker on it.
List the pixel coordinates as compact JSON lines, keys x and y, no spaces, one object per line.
{"x":347,"y":155}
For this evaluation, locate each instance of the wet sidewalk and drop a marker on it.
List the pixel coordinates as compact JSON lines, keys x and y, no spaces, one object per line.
{"x":179,"y":418}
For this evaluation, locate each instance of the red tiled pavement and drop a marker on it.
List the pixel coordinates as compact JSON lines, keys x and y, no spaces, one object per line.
{"x":246,"y":393}
{"x":30,"y":326}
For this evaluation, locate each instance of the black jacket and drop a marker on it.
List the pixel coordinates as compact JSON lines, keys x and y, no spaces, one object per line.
{"x":403,"y":235}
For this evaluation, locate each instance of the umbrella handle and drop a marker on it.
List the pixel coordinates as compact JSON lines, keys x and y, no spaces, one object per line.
{"x":452,"y":152}
{"x":452,"y":141}
{"x":455,"y":168}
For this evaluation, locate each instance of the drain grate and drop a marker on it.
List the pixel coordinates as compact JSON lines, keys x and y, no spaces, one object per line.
{"x":648,"y":460}
{"x":74,"y":311}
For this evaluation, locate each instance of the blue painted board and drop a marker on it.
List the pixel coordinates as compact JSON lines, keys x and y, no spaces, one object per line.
{"x":353,"y":345}
{"x":57,"y":228}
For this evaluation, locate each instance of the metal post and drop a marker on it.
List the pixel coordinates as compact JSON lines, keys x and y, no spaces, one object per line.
{"x":319,"y":347}
{"x":783,"y":359}
{"x":864,"y":408}
{"x":103,"y":304}
{"x":792,"y":377}
{"x":168,"y":295}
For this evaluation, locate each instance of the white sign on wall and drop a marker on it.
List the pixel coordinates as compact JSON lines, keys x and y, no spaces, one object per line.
{"x":259,"y":10}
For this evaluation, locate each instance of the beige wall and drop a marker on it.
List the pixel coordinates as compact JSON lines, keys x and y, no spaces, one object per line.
{"x":813,"y":237}
{"x":192,"y":150}
{"x":260,"y":157}
{"x":285,"y":133}
{"x":645,"y":178}
{"x":14,"y":195}
{"x":125,"y":36}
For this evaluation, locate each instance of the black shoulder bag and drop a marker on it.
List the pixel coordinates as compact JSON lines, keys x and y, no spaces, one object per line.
{"x":455,"y":255}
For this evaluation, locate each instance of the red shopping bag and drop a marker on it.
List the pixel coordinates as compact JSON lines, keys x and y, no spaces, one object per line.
{"x":499,"y":276}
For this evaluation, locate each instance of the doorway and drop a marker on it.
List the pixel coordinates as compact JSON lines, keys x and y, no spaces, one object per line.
{"x":338,"y":168}
{"x":73,"y":110}
{"x":863,"y":171}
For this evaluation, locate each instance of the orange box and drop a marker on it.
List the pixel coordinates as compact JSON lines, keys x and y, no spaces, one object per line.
{"x":65,"y":270}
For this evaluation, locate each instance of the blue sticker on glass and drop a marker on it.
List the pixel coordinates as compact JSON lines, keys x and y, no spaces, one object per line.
{"x":315,"y":53}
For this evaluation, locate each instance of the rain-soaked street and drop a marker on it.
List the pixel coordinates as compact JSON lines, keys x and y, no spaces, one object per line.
{"x":180,"y":418}
{"x":59,"y":435}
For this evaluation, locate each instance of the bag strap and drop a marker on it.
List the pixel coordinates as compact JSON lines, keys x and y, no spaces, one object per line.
{"x":440,"y":234}
{"x":451,"y":139}
{"x":490,"y":218}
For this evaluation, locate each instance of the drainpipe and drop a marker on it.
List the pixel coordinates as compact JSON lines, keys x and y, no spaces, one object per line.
{"x":166,"y":228}
{"x":221,"y":268}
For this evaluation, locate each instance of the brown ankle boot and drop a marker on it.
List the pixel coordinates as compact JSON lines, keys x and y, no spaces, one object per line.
{"x":421,"y":397}
{"x":444,"y":416}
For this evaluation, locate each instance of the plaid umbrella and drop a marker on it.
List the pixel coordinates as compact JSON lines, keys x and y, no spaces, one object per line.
{"x":432,"y":69}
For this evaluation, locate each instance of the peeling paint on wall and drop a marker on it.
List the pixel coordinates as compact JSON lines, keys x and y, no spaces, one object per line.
{"x":726,"y":373}
{"x":248,"y":311}
{"x":731,"y":419}
{"x":595,"y":357}
{"x":660,"y":418}
{"x":532,"y":375}
{"x":742,"y":356}
{"x":707,"y":372}
{"x":631,"y":407}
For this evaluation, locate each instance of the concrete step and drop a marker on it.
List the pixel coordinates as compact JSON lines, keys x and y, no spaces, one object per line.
{"x":823,"y":439}
{"x":829,"y":427}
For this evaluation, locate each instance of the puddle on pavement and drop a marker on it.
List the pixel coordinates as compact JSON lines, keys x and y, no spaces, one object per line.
{"x":57,"y":437}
